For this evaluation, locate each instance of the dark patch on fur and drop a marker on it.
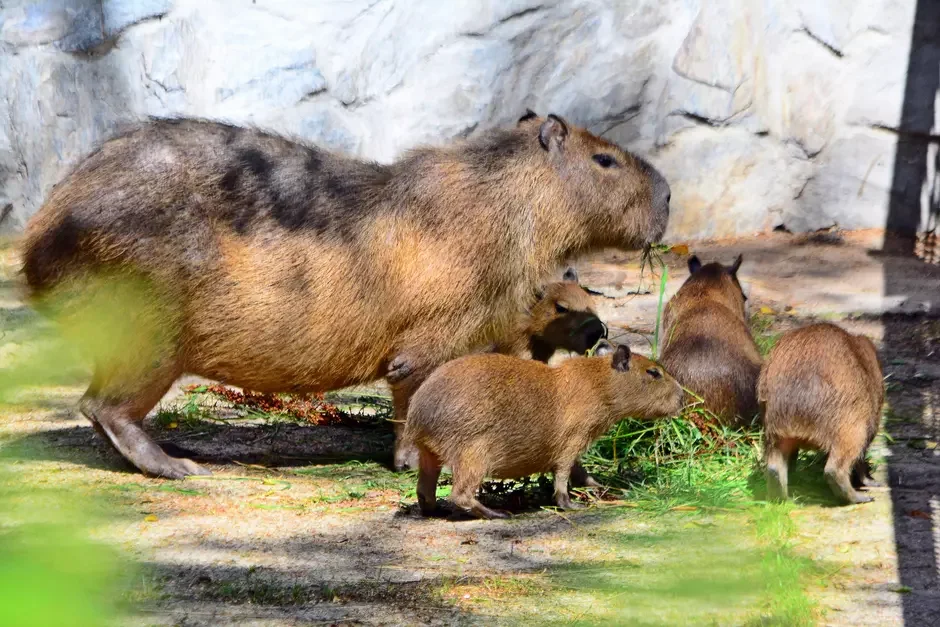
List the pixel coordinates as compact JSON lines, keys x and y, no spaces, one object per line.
{"x":46,"y":260}
{"x":493,"y":153}
{"x":229,"y":181}
{"x":313,"y":162}
{"x":255,"y":162}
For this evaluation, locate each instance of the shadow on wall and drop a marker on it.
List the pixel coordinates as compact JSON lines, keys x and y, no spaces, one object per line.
{"x":914,"y":477}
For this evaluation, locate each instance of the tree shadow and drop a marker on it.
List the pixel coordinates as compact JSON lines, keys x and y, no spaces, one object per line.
{"x":273,"y":446}
{"x":914,"y":474}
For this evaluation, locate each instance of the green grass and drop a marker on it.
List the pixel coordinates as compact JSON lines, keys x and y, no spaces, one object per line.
{"x":760,"y":328}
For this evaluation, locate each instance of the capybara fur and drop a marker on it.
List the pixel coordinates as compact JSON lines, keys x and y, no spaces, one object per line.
{"x":498,"y":416}
{"x":821,"y":388}
{"x":278,"y":266}
{"x":707,"y":345}
{"x":563,"y":317}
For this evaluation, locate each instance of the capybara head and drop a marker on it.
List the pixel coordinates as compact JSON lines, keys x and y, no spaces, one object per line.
{"x":564,"y":318}
{"x":711,"y":282}
{"x":605,"y":184}
{"x":639,"y":387}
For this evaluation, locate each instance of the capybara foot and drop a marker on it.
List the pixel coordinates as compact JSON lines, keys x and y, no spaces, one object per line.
{"x":581,"y":479}
{"x":841,"y":486}
{"x":564,"y":502}
{"x":474,"y":507}
{"x":481,"y":511}
{"x":136,"y":446}
{"x":776,"y":485}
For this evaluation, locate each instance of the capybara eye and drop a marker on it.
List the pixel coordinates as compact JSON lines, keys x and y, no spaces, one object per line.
{"x":559,"y":308}
{"x":654,"y":372}
{"x":605,"y":161}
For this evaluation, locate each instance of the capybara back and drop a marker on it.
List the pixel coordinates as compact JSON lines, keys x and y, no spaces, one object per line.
{"x":707,"y":345}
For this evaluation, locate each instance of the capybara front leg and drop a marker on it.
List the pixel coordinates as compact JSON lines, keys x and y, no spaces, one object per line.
{"x":429,"y":470}
{"x":581,"y":479}
{"x":562,"y":497}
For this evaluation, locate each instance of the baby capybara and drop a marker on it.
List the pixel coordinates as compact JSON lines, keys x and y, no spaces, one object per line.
{"x":822,"y":389}
{"x":279,"y":266}
{"x":707,"y":344}
{"x":498,"y":416}
{"x":563,"y":318}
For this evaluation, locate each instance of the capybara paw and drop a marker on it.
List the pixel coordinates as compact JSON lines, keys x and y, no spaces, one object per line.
{"x":176,"y":468}
{"x":862,"y":498}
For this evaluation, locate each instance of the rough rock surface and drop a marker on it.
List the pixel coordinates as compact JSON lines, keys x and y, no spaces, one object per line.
{"x":761,"y":113}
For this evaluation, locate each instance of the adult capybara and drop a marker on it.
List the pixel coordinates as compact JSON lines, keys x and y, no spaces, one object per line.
{"x":498,"y":416}
{"x":822,"y":389}
{"x":278,"y":266}
{"x":707,"y":345}
{"x":563,"y":318}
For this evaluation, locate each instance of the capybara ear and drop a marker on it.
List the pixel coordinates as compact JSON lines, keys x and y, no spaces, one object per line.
{"x":570,"y":275}
{"x":621,"y":362}
{"x":539,"y":293}
{"x":529,"y":114}
{"x":694,"y":264}
{"x":553,"y":132}
{"x":733,"y":270}
{"x":603,"y":348}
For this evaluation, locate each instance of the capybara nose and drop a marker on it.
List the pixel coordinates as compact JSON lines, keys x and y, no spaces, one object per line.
{"x":661,"y":196}
{"x":592,"y":330}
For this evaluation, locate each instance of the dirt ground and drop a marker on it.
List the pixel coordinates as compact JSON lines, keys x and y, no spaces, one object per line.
{"x":304,"y":525}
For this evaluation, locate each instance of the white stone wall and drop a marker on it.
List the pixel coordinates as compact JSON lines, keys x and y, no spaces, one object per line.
{"x":759,"y":112}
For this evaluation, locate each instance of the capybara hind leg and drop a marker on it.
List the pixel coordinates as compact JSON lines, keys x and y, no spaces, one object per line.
{"x":429,"y":470}
{"x":581,"y":479}
{"x":861,"y":475}
{"x":467,"y":480}
{"x":117,"y":415}
{"x":776,"y":461}
{"x":838,"y":476}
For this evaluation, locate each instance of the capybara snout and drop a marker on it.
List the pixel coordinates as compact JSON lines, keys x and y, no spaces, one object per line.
{"x":822,"y":389}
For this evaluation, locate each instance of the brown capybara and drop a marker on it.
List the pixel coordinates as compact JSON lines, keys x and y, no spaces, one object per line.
{"x":707,"y":345}
{"x":563,"y":318}
{"x":281,"y":267}
{"x":498,"y":416}
{"x":821,"y":389}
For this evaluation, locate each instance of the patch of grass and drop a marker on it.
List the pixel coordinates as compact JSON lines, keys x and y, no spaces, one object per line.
{"x":187,"y":414}
{"x":734,"y":568}
{"x":689,"y":459}
{"x":764,"y":338}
